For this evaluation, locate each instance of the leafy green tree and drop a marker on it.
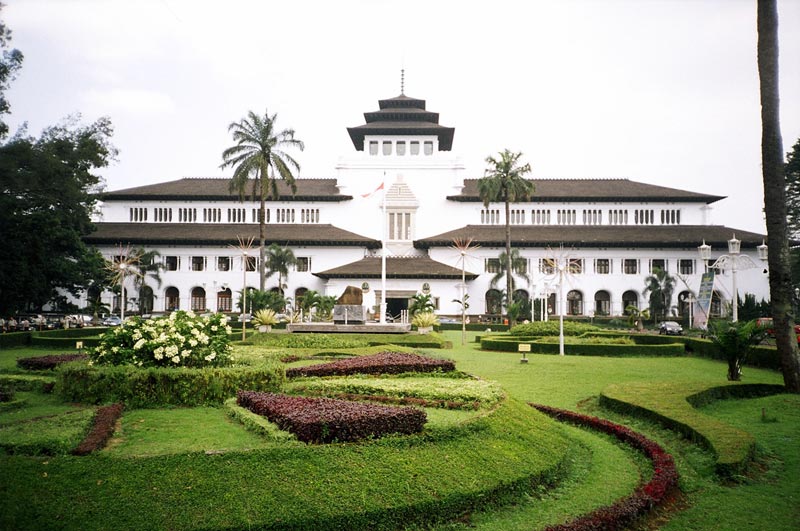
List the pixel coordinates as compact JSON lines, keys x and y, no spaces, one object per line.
{"x":279,"y":260}
{"x":49,"y":190}
{"x":504,"y":181}
{"x":262,"y":300}
{"x":519,"y":267}
{"x":149,"y":268}
{"x":749,"y":309}
{"x":791,"y":172}
{"x":735,"y":341}
{"x":660,"y":285}
{"x":772,"y":170}
{"x":10,"y":63}
{"x":256,"y":157}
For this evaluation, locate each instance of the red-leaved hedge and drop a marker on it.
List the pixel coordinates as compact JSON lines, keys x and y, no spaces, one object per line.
{"x":43,"y":363}
{"x":643,"y":499}
{"x":105,"y":419}
{"x":381,"y":363}
{"x":321,"y":420}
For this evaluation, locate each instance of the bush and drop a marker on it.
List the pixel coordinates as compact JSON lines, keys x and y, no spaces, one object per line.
{"x":156,"y":387}
{"x":105,"y":420}
{"x":181,"y":340}
{"x":382,"y":363}
{"x":15,"y":339}
{"x":547,"y":346}
{"x":321,"y":420}
{"x":43,"y":363}
{"x":551,"y":328}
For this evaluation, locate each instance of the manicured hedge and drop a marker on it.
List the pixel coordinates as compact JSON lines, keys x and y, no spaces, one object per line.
{"x":646,"y":497}
{"x":44,"y":363}
{"x":27,"y":382}
{"x":15,"y":339}
{"x":105,"y":419}
{"x":156,"y":387}
{"x":381,"y":363}
{"x":761,"y":356}
{"x":671,"y":405}
{"x":510,"y":344}
{"x":322,"y":420}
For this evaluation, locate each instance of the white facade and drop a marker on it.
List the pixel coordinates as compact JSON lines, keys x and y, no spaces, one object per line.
{"x":615,"y":231}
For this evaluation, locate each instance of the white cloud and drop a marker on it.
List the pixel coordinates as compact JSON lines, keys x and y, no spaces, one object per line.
{"x":129,"y":101}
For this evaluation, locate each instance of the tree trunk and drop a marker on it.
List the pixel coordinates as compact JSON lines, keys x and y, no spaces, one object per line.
{"x":262,"y":239}
{"x":780,"y":280}
{"x":509,"y":272}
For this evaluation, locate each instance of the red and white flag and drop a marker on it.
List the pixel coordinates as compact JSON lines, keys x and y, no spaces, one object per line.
{"x":373,"y":192}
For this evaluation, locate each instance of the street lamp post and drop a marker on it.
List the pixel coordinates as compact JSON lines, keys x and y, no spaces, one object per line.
{"x":122,"y":271}
{"x":734,"y":261}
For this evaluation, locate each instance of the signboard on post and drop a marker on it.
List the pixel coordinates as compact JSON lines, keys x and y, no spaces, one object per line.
{"x":524,"y":348}
{"x":703,"y":302}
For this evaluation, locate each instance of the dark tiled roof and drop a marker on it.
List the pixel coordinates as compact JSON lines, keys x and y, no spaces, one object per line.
{"x":402,"y":115}
{"x":621,"y":190}
{"x":224,"y":234}
{"x":216,"y":189}
{"x":414,"y":267}
{"x":631,"y":236}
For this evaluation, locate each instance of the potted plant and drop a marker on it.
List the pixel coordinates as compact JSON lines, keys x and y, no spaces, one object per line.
{"x":424,"y":321}
{"x":264,"y":319}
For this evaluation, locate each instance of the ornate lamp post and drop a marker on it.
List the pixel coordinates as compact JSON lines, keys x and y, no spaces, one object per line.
{"x":123,"y":269}
{"x":244,"y":247}
{"x":733,"y":261}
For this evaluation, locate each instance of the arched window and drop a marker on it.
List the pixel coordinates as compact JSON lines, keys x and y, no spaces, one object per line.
{"x":602,"y":303}
{"x":683,"y":304}
{"x":494,"y":301}
{"x":172,"y":299}
{"x":146,"y":299}
{"x":224,"y":300}
{"x":198,"y":303}
{"x":524,"y":299}
{"x":629,"y":298}
{"x":574,"y":302}
{"x":299,"y":293}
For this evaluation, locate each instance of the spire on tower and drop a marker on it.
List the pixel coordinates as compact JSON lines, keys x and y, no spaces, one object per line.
{"x":402,"y":81}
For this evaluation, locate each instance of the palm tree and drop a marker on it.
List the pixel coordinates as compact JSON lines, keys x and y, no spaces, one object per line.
{"x":148,"y":266}
{"x":256,"y":157}
{"x":519,"y":267}
{"x":780,"y":274}
{"x":660,"y":285}
{"x":504,"y":181}
{"x":279,"y":260}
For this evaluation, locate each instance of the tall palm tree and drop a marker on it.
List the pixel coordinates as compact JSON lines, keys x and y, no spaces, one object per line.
{"x":660,"y":285}
{"x":519,"y":267}
{"x":279,"y":260}
{"x":780,"y":275}
{"x":504,"y":181}
{"x":149,"y":267}
{"x":256,"y":158}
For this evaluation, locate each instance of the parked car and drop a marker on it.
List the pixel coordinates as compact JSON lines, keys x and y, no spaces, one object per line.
{"x":670,"y":328}
{"x":112,"y":320}
{"x":766,"y":322}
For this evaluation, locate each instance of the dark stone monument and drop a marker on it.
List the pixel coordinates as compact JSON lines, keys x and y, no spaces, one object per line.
{"x":349,"y":308}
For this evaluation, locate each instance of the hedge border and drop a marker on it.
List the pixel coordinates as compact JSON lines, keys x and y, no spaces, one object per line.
{"x":673,"y":406}
{"x":646,"y":497}
{"x":256,"y":423}
{"x":511,"y":344}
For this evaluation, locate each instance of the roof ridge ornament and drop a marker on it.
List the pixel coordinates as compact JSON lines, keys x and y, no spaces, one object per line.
{"x":402,"y":81}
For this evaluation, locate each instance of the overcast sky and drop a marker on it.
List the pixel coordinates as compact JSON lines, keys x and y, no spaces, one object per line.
{"x":663,"y":92}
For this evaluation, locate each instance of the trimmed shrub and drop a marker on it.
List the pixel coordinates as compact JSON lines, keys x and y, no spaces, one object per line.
{"x":622,"y":513}
{"x":540,"y":346}
{"x":156,"y":387}
{"x":761,"y":356}
{"x":43,"y":363}
{"x":551,"y":328}
{"x":15,"y":339}
{"x":256,"y":423}
{"x":105,"y":420}
{"x":27,"y":382}
{"x":382,"y":363}
{"x":321,"y":420}
{"x":180,"y":340}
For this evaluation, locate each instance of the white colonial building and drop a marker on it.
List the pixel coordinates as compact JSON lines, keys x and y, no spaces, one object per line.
{"x":612,"y":232}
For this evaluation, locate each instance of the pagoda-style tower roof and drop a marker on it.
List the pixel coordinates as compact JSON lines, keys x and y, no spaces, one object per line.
{"x":404,"y":116}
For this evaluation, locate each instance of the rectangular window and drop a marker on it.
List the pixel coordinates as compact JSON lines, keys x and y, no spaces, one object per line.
{"x":401,"y":148}
{"x":387,"y":147}
{"x":630,"y":266}
{"x":198,"y":263}
{"x":415,"y":147}
{"x":429,"y":147}
{"x":303,"y":263}
{"x":223,"y":263}
{"x":575,"y":266}
{"x":172,"y":263}
{"x":251,"y":263}
{"x":658,"y":263}
{"x":373,"y":147}
{"x":547,"y":266}
{"x":686,"y":267}
{"x":602,"y":266}
{"x":521,"y":268}
{"x":492,"y":265}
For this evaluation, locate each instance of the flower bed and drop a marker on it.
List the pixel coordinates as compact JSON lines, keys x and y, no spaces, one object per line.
{"x":647,"y":496}
{"x":105,"y":419}
{"x":381,"y":363}
{"x":43,"y":363}
{"x":321,"y":420}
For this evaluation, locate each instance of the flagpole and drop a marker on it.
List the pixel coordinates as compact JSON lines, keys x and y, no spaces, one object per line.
{"x":383,"y":255}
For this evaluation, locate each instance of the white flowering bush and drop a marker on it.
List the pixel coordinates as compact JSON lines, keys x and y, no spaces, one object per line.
{"x":181,"y":340}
